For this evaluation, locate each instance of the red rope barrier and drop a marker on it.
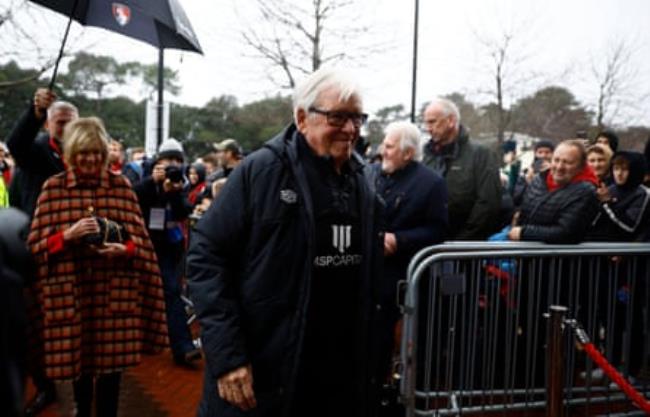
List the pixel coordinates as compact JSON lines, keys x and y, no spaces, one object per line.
{"x":638,"y":399}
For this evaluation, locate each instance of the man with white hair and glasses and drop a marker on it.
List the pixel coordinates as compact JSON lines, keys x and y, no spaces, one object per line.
{"x":284,"y":270}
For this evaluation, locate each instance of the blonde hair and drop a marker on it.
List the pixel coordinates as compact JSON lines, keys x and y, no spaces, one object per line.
{"x":83,"y":134}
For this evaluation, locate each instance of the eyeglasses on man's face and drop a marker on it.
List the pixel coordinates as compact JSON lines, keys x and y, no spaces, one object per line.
{"x":339,"y":118}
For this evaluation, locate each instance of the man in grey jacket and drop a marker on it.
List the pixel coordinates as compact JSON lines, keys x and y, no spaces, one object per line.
{"x":470,"y":170}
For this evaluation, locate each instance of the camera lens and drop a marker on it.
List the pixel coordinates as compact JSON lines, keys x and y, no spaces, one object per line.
{"x":173,"y":173}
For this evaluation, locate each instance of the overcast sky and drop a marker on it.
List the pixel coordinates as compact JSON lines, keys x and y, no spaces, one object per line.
{"x":555,"y":42}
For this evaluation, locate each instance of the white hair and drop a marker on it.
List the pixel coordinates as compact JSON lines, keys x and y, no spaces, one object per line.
{"x":306,"y":93}
{"x":448,"y":108}
{"x":61,"y":106}
{"x":409,"y":137}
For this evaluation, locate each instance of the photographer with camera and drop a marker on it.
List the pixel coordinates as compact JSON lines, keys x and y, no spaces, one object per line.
{"x":165,"y":208}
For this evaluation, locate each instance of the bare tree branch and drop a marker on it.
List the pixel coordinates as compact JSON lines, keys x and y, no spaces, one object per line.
{"x":298,"y":39}
{"x":615,"y":77}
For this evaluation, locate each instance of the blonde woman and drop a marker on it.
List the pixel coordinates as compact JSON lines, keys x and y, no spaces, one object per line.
{"x":98,"y":283}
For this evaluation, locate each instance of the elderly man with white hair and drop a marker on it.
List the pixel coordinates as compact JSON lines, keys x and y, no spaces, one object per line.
{"x":415,"y":198}
{"x":285,"y":270}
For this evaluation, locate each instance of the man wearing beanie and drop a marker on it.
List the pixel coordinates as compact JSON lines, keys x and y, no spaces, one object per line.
{"x":165,"y":207}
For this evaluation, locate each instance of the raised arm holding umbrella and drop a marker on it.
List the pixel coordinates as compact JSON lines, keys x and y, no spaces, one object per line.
{"x":161,"y":23}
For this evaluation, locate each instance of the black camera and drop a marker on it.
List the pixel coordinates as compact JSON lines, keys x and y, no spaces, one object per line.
{"x":174,"y":173}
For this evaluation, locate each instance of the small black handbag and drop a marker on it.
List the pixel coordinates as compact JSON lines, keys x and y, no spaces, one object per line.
{"x":109,"y":232}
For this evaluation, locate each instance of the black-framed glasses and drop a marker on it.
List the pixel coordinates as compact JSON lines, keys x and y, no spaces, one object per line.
{"x":338,"y":118}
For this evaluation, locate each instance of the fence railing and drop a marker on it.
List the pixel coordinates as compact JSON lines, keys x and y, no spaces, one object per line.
{"x":474,"y":332}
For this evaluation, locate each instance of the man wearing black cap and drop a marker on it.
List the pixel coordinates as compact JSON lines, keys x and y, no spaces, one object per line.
{"x":165,"y":207}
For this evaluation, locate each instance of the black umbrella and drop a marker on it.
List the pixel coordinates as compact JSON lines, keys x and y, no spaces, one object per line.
{"x":161,"y":23}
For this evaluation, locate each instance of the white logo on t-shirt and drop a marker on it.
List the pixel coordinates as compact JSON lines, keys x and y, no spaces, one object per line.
{"x":341,"y":237}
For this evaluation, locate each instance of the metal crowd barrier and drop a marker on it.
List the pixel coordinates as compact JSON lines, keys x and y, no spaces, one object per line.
{"x":474,"y":332}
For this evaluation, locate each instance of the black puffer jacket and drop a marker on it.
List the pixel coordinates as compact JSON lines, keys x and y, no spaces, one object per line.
{"x":36,"y":161}
{"x":249,"y":269}
{"x":625,"y":217}
{"x":561,"y":216}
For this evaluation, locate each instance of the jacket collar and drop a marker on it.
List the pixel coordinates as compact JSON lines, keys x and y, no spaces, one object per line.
{"x":586,"y":175}
{"x":56,"y":148}
{"x":452,"y":149}
{"x":288,"y":140}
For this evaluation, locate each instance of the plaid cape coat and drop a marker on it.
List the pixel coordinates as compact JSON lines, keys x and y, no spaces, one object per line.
{"x":97,"y":314}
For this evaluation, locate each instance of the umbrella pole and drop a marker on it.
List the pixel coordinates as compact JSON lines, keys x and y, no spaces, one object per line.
{"x":415,"y":59}
{"x":65,"y":39}
{"x":161,"y":80}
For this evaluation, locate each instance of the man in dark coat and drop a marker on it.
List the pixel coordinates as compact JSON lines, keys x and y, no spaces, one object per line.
{"x":15,"y":272}
{"x":471,"y":172}
{"x":560,"y":203}
{"x":415,"y":198}
{"x":284,"y":270}
{"x":38,"y":157}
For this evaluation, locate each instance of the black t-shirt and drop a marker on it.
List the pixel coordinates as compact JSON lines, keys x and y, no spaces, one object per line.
{"x":334,"y":298}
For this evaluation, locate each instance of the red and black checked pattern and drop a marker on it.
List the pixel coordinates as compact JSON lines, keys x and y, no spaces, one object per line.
{"x":97,"y":314}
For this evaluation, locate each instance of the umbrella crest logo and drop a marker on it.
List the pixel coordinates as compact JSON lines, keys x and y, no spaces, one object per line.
{"x":122,"y":14}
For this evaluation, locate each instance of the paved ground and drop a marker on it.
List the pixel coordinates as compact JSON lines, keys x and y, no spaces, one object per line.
{"x":155,"y":388}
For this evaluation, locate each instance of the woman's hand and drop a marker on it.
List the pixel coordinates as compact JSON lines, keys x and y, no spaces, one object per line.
{"x":112,"y":250}
{"x":83,"y":227}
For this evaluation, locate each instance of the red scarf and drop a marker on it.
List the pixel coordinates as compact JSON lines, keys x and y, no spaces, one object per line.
{"x":587,"y":175}
{"x":55,"y":146}
{"x":115,"y":167}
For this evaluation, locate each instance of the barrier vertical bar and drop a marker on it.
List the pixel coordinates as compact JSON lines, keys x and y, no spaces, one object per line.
{"x":555,"y":362}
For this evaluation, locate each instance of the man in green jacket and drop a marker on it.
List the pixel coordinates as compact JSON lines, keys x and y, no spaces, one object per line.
{"x":470,"y":170}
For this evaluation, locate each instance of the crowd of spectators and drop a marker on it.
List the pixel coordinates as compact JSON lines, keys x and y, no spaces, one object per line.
{"x":304,"y":208}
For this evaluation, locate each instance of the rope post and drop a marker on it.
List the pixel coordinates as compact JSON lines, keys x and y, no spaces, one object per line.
{"x":555,"y":362}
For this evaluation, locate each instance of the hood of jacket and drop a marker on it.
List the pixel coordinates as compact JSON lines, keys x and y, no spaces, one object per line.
{"x":637,"y":167}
